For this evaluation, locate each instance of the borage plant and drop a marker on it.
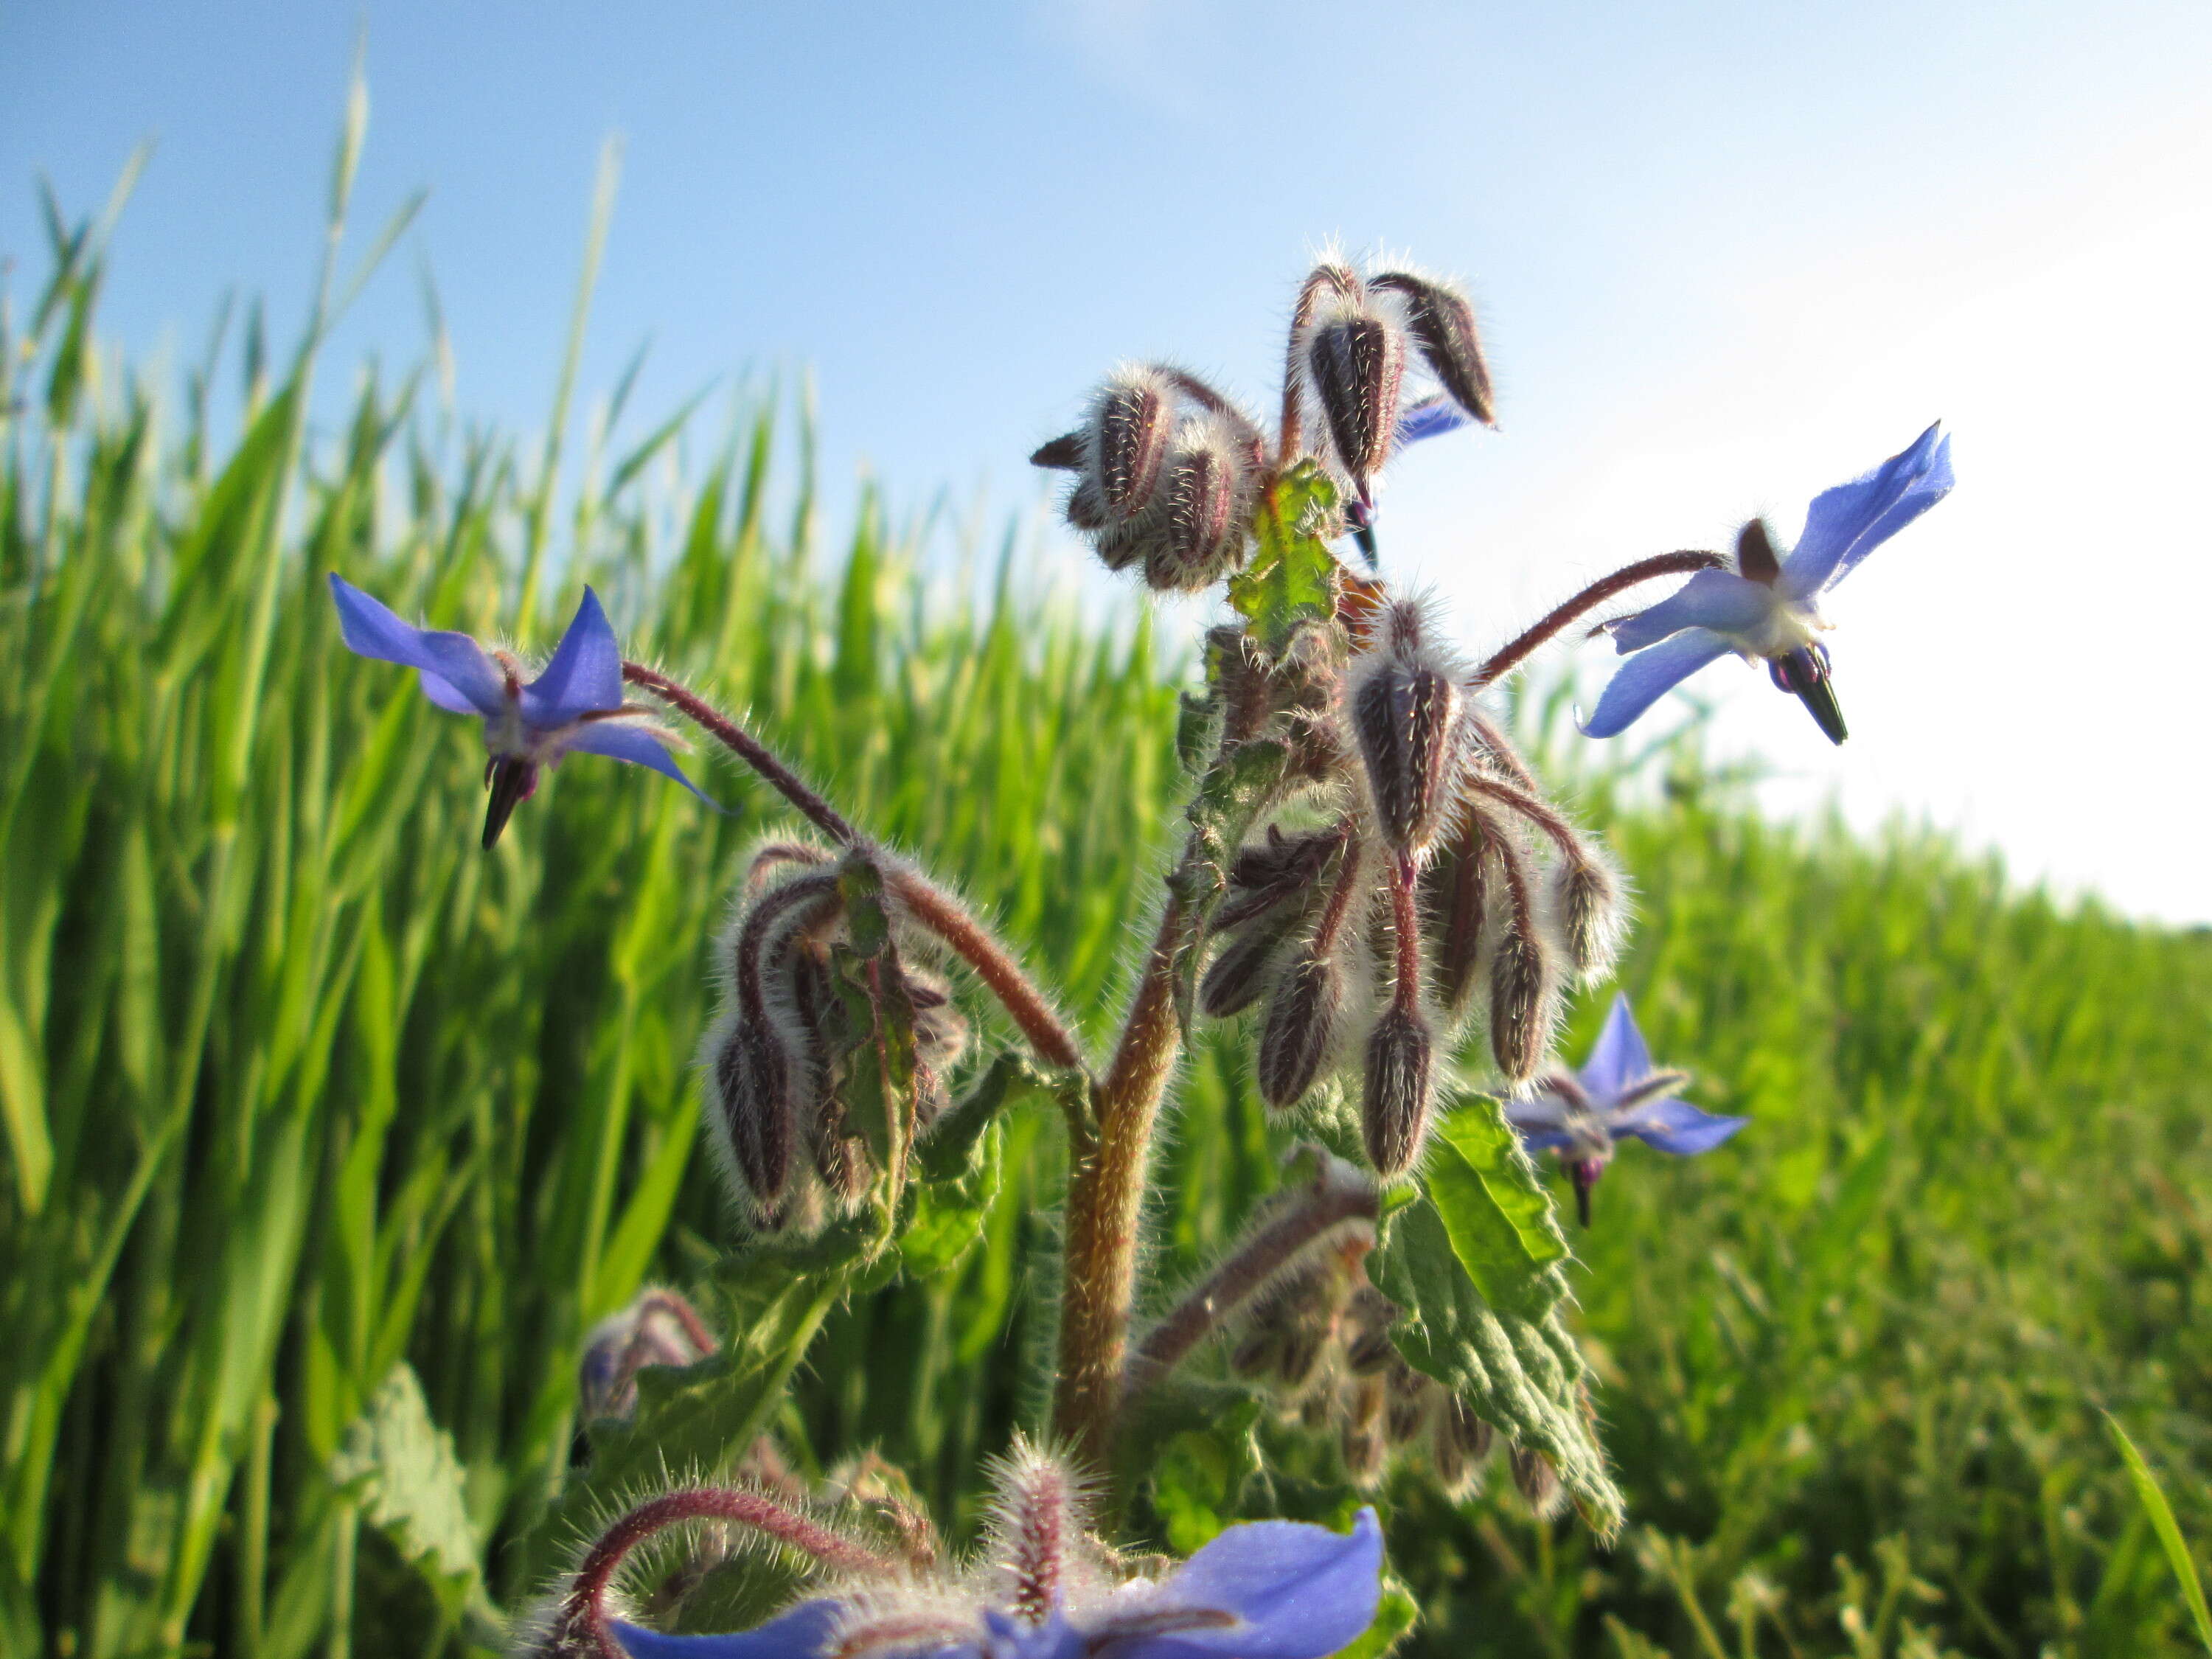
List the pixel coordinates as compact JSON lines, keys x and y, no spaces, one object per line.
{"x":1369,"y":870}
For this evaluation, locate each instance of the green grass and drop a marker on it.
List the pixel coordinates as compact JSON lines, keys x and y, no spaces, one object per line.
{"x":297,"y":1083}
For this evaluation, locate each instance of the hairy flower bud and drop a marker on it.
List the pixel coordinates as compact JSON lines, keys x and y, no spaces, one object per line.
{"x":1405,"y":703}
{"x":1266,"y":872}
{"x":1204,"y":498}
{"x":1587,"y":901}
{"x":1239,"y":974}
{"x":1301,"y":1027}
{"x":1394,"y":1112}
{"x":1523,"y":999}
{"x":1366,"y":1331}
{"x":1457,"y":889}
{"x":1354,"y":361}
{"x":1442,"y":324}
{"x":751,"y":1123}
{"x":1130,"y":423}
{"x":1411,"y":1398}
{"x":659,"y":1328}
{"x":1537,"y":1481}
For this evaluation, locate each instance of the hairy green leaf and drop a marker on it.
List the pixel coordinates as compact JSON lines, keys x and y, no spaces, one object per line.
{"x":1291,"y":581}
{"x":400,"y":1467}
{"x":1495,"y":1211}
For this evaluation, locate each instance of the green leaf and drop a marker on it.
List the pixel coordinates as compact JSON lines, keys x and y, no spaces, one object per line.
{"x":1199,"y":1474}
{"x":1495,"y":1211}
{"x":1290,"y":584}
{"x":1010,"y":1080}
{"x":946,"y":1216}
{"x":400,"y":1467}
{"x":2153,"y":1498}
{"x":1395,"y":1615}
{"x":1517,"y":1368}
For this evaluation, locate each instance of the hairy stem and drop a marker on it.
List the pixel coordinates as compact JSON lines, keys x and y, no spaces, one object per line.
{"x":747,"y":748}
{"x":1516,"y":651}
{"x":993,"y":963}
{"x":1339,"y":1193}
{"x":581,"y":1626}
{"x":1292,"y":438}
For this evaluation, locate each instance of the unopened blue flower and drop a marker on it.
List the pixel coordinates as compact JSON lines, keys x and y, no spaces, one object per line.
{"x":1267,"y":1590}
{"x":575,"y":704}
{"x":1769,"y":606}
{"x":1618,"y":1092}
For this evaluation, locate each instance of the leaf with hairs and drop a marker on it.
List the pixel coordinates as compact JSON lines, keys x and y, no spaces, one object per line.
{"x":399,"y":1467}
{"x":1290,"y":582}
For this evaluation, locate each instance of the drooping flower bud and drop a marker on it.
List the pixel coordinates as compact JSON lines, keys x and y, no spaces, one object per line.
{"x":1404,"y":706}
{"x":752,"y":1129}
{"x":1205,"y":498}
{"x":1442,"y":324}
{"x":1457,"y":886}
{"x":1302,"y":1014}
{"x":1266,"y":872}
{"x":1537,"y":1481}
{"x":1353,"y":361}
{"x":1586,"y":899}
{"x":659,"y":1328}
{"x":1130,"y":424}
{"x":1367,"y":1322}
{"x":1523,"y":985}
{"x":1411,"y":1399}
{"x":1239,"y":974}
{"x":1395,"y":1111}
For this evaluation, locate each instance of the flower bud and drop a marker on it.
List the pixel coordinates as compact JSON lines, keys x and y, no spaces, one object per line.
{"x":1239,"y":973}
{"x":1537,"y":1481}
{"x":1457,"y":886}
{"x":1524,"y":999}
{"x":1367,"y":1346}
{"x":1064,"y":453}
{"x":1266,"y":872}
{"x":1301,"y":1027}
{"x":1587,"y":901}
{"x":1394,"y":1113}
{"x":1405,"y":716}
{"x":1130,"y":423}
{"x":1204,"y":498}
{"x":1086,"y":508}
{"x":1364,"y":1455}
{"x":1442,"y":324}
{"x":661,"y":1327}
{"x":751,"y":1123}
{"x":1354,"y":361}
{"x":1409,"y":1399}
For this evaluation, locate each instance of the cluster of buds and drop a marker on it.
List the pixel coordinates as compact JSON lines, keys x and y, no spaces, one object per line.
{"x":1441,"y":867}
{"x":1166,"y":470}
{"x":779,"y":1057}
{"x":1319,"y":1338}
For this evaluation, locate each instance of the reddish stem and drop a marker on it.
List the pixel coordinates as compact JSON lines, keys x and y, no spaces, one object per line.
{"x":1511,"y":655}
{"x":993,"y":963}
{"x":582,"y":1626}
{"x":746,"y":747}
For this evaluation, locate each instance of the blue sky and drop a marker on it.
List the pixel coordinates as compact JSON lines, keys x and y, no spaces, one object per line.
{"x":1725,"y":253}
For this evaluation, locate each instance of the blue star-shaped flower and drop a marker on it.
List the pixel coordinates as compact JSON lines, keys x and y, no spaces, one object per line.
{"x":1769,"y":606}
{"x":1617,"y":1092}
{"x":1267,"y":1590}
{"x":575,"y":704}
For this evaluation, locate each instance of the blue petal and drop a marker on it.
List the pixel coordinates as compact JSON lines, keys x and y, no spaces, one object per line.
{"x":802,"y":1633}
{"x":1677,"y":1127}
{"x":1648,"y":675}
{"x":1298,"y":1591}
{"x":445,"y":694}
{"x":633,"y":743}
{"x":1544,"y":1140}
{"x":1845,"y":523}
{"x":1719,"y":600}
{"x":370,"y":629}
{"x":1537,"y":1112}
{"x":585,"y":676}
{"x":1429,"y":418}
{"x":1617,"y":1058}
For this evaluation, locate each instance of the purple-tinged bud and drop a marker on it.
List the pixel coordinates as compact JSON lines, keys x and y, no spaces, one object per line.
{"x":659,"y":1328}
{"x":1523,"y":999}
{"x":1367,"y":1322}
{"x":1586,"y":899}
{"x":1354,"y":361}
{"x":1364,"y":1455}
{"x":1239,"y":974}
{"x":1755,"y":556}
{"x":1204,"y":498}
{"x":1412,"y":1397}
{"x":1300,"y":1033}
{"x":1266,"y":872}
{"x":1457,"y":886}
{"x":1394,"y":1113}
{"x":1136,"y":541}
{"x":751,"y":1120}
{"x":1406,"y":718}
{"x":1130,"y":424}
{"x":1537,"y":1481}
{"x":1442,"y":324}
{"x":1086,"y":508}
{"x":1065,"y":454}
{"x":1471,"y":1433}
